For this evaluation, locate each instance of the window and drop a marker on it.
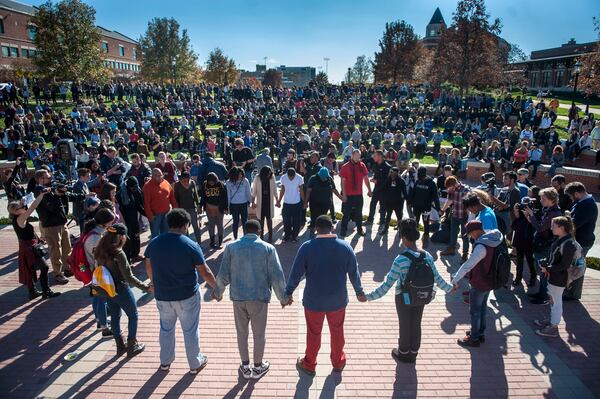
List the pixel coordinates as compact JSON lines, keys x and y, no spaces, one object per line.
{"x":32,"y":30}
{"x":5,"y":52}
{"x":135,"y":54}
{"x":1,"y":26}
{"x":558,"y":82}
{"x":432,"y":32}
{"x":545,"y":78}
{"x":534,"y":79}
{"x":105,"y":47}
{"x":121,"y":51}
{"x":10,"y":52}
{"x":25,"y":53}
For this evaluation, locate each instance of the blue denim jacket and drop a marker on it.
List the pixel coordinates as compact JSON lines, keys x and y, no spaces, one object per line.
{"x":251,"y":267}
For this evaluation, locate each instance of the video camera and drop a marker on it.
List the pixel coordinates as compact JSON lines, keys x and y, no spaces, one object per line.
{"x":531,"y":203}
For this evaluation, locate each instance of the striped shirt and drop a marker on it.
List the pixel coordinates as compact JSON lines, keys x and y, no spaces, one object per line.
{"x":398,"y":273}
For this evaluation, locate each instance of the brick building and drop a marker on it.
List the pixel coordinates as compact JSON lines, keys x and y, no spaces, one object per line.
{"x":121,"y":53}
{"x":552,"y":69}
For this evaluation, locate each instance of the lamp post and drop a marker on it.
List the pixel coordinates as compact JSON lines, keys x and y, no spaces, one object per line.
{"x":577,"y":71}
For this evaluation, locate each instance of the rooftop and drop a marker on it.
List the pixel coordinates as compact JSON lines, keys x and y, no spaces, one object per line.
{"x":571,"y":48}
{"x":437,"y":17}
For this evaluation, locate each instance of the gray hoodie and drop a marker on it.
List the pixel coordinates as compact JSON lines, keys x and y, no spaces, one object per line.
{"x":491,"y":239}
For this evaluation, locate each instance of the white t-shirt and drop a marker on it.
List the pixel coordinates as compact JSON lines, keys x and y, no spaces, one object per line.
{"x":292,"y":188}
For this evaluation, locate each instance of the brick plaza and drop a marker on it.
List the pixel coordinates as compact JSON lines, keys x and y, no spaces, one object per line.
{"x":514,"y":362}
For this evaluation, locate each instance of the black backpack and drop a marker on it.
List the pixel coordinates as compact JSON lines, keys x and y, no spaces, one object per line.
{"x":499,"y":272}
{"x":417,"y":289}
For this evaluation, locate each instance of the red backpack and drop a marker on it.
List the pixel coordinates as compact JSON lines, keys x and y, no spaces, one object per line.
{"x":78,"y":261}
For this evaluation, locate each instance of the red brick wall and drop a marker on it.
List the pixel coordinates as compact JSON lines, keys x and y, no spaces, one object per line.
{"x":16,"y":34}
{"x":590,"y":179}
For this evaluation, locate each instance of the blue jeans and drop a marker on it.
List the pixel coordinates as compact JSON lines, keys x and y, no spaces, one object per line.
{"x":158,"y":225}
{"x":292,"y":220}
{"x":99,"y":307}
{"x":456,"y":225}
{"x":478,"y":309}
{"x":124,"y":300}
{"x":194,"y":222}
{"x":188,"y":313}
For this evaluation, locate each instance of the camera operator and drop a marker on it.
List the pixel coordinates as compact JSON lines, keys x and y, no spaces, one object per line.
{"x":522,"y":241}
{"x":53,"y":219}
{"x":508,"y":197}
{"x":80,"y":187}
{"x":542,"y":236}
{"x":112,"y":166}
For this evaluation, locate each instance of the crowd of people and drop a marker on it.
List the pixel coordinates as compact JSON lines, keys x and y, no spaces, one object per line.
{"x":285,"y":148}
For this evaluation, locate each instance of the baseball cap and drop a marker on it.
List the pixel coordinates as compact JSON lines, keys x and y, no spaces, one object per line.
{"x":473,"y":225}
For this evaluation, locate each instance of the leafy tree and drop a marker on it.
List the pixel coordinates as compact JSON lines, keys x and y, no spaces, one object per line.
{"x":515,"y":54}
{"x":68,"y":42}
{"x":321,"y":78}
{"x":399,"y":51}
{"x":166,"y":54}
{"x":362,"y":71}
{"x":273,"y":78}
{"x":470,"y":52}
{"x":589,"y":77}
{"x":220,"y":69}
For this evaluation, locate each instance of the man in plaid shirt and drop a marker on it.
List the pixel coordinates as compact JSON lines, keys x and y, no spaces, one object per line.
{"x":456,"y":193}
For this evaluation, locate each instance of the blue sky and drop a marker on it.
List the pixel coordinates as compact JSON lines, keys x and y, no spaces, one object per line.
{"x":301,"y":33}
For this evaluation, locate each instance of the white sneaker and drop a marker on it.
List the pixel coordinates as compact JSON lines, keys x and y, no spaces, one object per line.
{"x":203,"y":363}
{"x":258,"y":372}
{"x":246,"y":371}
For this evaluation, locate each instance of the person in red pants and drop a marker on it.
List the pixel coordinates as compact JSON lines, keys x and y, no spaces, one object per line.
{"x":326,"y":261}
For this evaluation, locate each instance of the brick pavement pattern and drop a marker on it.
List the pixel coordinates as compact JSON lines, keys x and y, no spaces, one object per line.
{"x":514,"y":362}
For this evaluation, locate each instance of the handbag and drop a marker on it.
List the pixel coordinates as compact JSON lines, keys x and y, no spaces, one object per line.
{"x":40,"y":251}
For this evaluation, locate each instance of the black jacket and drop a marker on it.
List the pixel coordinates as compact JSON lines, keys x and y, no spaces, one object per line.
{"x":424,"y":193}
{"x":562,"y":254}
{"x":51,"y":210}
{"x":380,"y":174}
{"x":394,"y":192}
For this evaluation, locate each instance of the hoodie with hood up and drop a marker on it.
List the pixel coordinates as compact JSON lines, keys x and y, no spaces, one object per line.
{"x":478,"y":264}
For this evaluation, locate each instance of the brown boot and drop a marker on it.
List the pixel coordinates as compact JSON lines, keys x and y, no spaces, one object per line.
{"x":450,"y":251}
{"x":121,"y":348}
{"x":134,"y":347}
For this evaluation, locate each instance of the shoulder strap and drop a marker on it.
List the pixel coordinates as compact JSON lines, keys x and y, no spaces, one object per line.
{"x":413,"y":258}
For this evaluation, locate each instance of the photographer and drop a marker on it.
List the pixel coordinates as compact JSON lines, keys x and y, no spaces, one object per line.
{"x":28,"y":261}
{"x":542,"y":236}
{"x":53,"y":219}
{"x":522,"y":242}
{"x":509,"y":196}
{"x":112,"y":166}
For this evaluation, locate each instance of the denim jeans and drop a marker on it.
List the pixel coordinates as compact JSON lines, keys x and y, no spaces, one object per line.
{"x":478,"y":309}
{"x":456,"y":225}
{"x":158,"y":225}
{"x":100,"y":311}
{"x":188,"y":313}
{"x":124,"y":300}
{"x":556,"y":293}
{"x":238,"y":211}
{"x":194,"y":222}
{"x":292,"y":220}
